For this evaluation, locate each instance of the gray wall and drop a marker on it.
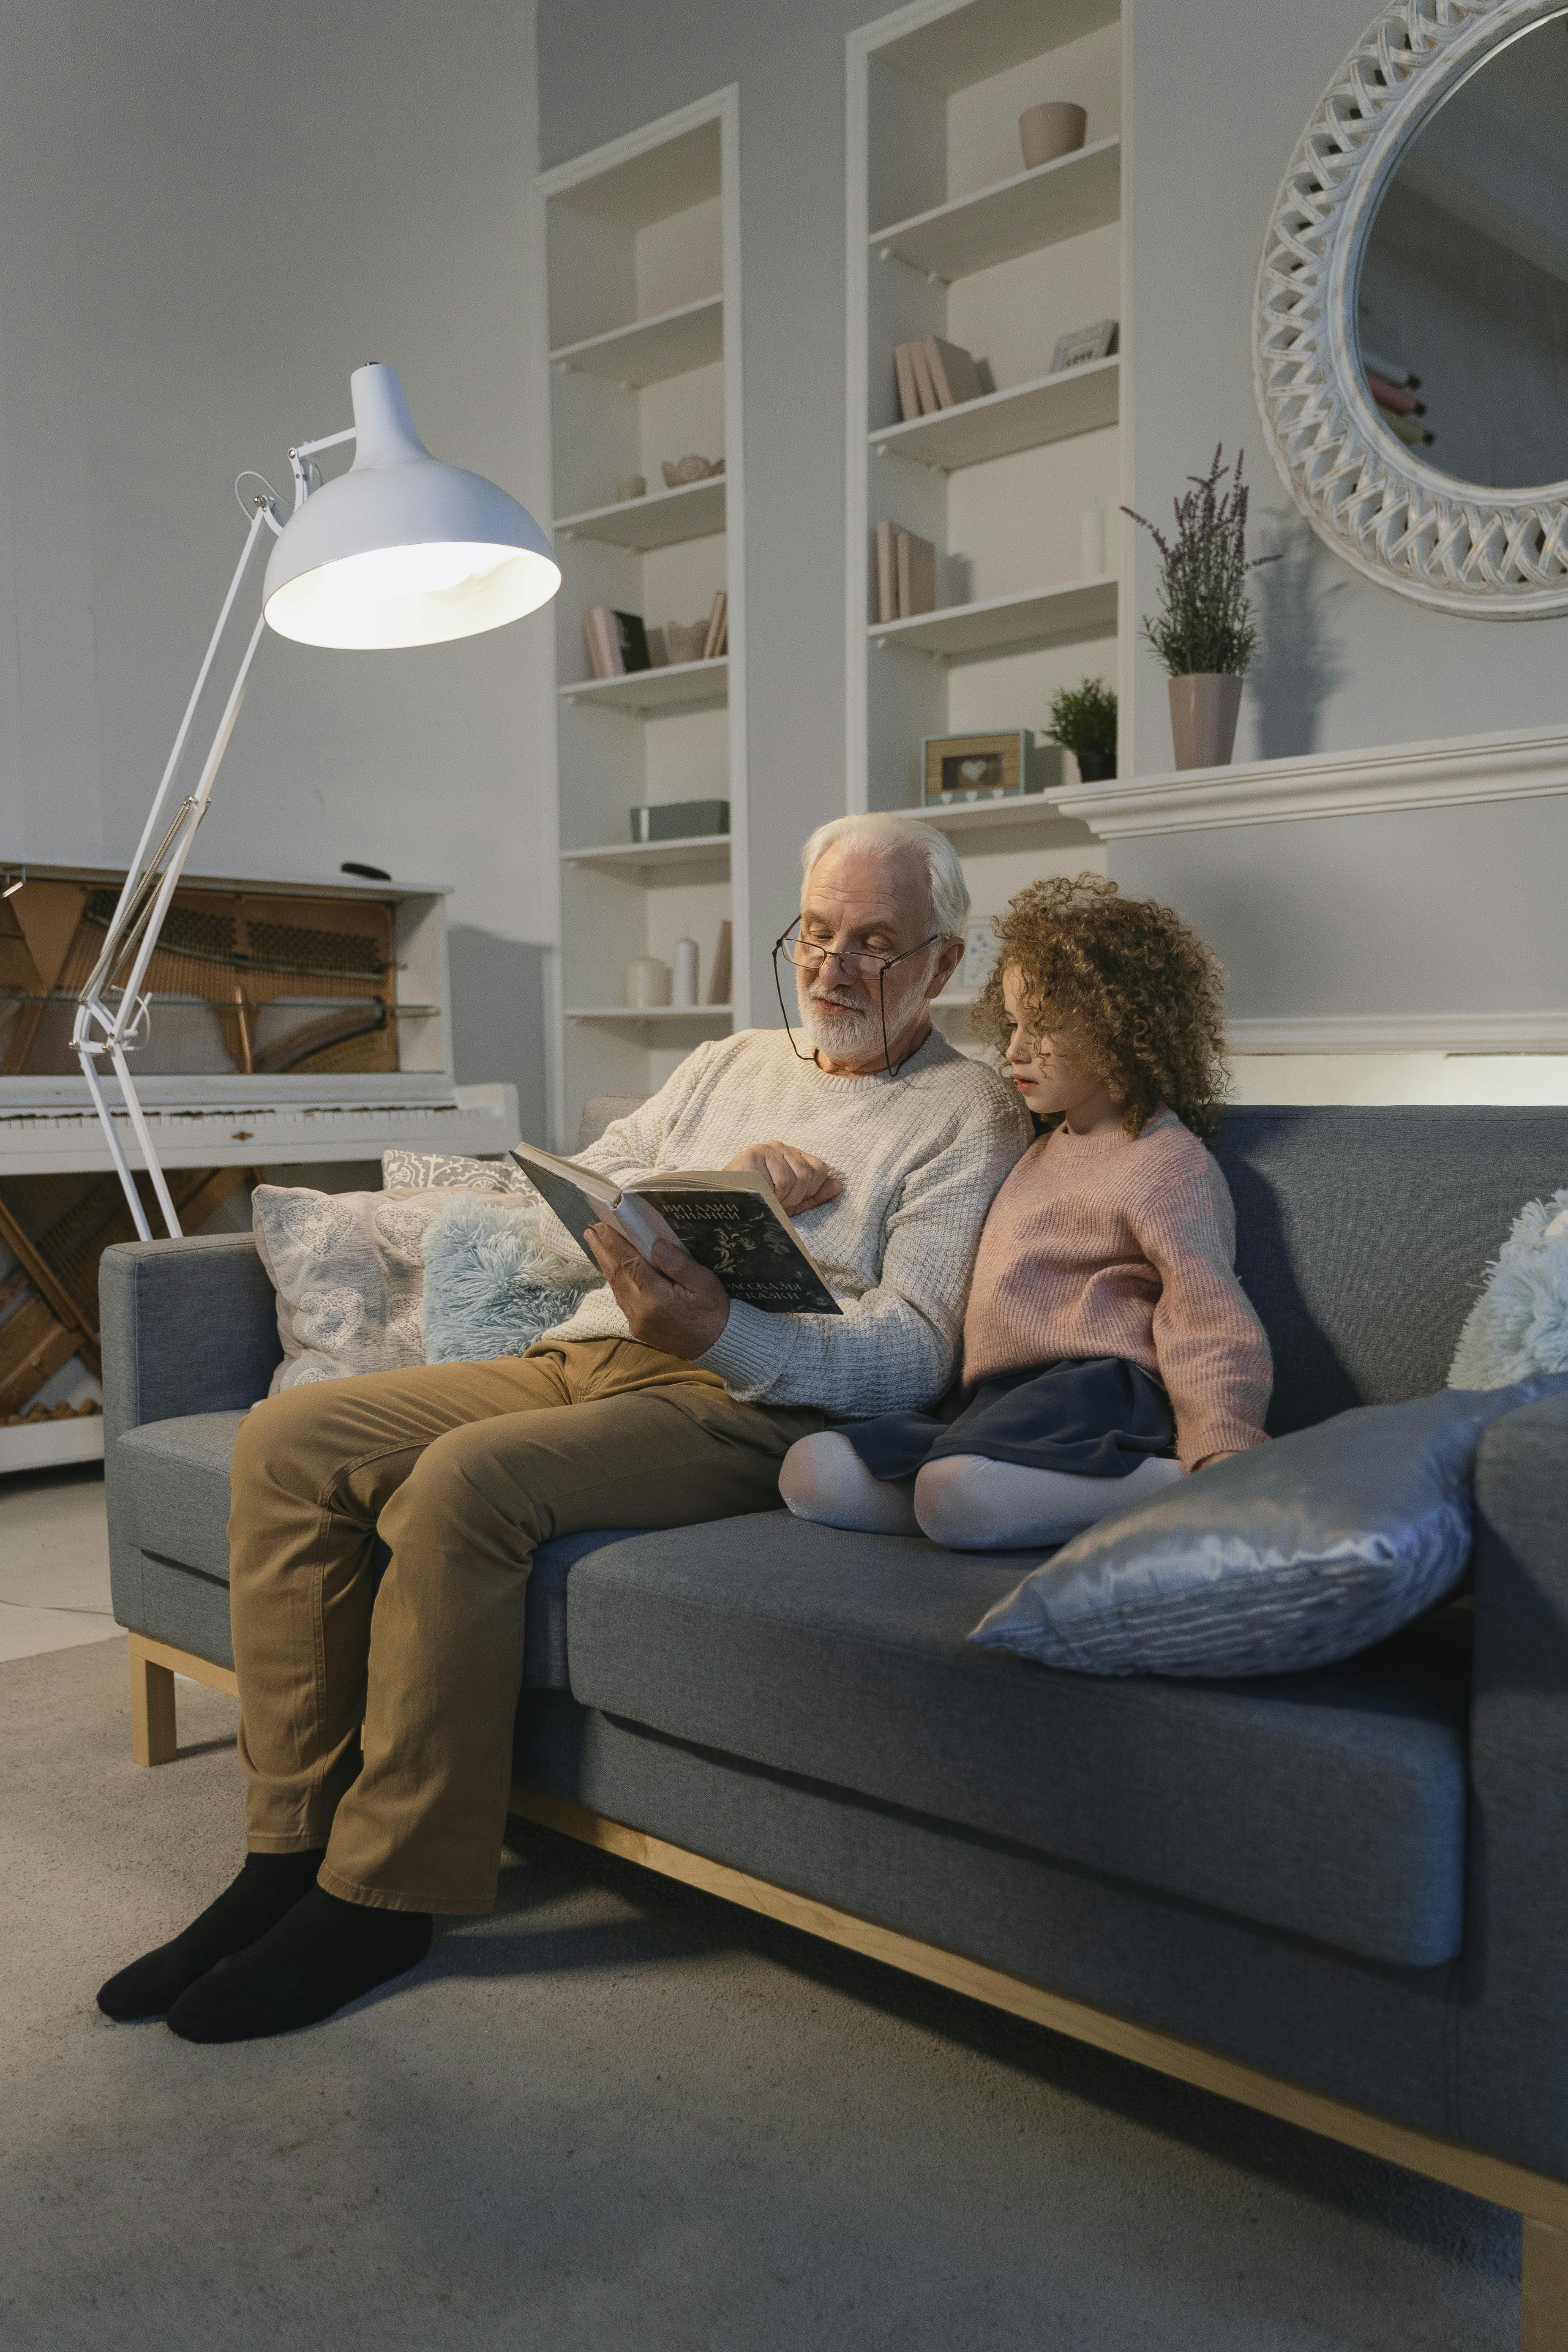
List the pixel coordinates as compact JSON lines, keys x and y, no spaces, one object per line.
{"x":210,"y":216}
{"x":1451,"y":910}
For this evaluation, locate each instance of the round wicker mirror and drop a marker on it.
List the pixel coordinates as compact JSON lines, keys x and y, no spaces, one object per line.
{"x":1411,"y":324}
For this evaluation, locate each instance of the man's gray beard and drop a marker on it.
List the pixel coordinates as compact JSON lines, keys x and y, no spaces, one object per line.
{"x":837,"y":1029}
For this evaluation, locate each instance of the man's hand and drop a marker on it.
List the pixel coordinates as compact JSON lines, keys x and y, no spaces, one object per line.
{"x":675,"y":1304}
{"x":799,"y":1178}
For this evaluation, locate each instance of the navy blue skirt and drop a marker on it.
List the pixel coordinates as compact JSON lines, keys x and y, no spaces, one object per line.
{"x":1097,"y":1417}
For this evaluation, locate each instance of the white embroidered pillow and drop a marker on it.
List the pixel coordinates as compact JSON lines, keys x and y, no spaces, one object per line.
{"x":349,"y":1275}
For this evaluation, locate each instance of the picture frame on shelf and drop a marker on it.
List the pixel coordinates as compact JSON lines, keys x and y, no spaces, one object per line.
{"x":1083,"y":345}
{"x":959,"y":768}
{"x":979,"y":947}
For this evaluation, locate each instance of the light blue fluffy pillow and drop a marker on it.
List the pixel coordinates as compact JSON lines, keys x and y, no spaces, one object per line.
{"x":492,"y":1282}
{"x":1518,"y":1325}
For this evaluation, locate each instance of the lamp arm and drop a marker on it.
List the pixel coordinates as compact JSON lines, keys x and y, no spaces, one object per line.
{"x":101,"y":1027}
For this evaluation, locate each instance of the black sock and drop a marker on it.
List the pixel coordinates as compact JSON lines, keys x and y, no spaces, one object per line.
{"x":322,"y":1953}
{"x":268,"y":1886}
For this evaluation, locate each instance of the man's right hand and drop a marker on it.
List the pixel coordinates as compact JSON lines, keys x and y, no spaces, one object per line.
{"x":800,"y":1180}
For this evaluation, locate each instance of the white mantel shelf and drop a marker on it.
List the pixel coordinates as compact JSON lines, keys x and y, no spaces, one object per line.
{"x":1526,"y":763}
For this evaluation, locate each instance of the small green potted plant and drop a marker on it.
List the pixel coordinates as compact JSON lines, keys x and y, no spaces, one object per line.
{"x":1204,"y":633}
{"x":1083,"y":721}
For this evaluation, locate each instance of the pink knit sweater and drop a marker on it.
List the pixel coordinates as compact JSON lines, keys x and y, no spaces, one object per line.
{"x":1116,"y":1245}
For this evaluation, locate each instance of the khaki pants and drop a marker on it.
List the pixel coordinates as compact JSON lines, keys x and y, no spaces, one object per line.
{"x":463,"y":1469}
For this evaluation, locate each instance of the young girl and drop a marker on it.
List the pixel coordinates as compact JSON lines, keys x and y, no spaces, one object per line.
{"x":1108,"y":1346}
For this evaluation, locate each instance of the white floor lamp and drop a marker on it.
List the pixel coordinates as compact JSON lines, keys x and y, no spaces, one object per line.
{"x":400,"y":550}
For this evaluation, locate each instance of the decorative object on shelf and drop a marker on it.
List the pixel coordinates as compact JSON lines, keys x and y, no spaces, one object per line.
{"x":720,"y":975}
{"x":979,"y":955}
{"x":678,"y":820}
{"x":1054,"y":129}
{"x":1085,"y":344}
{"x":1447,"y":535}
{"x":617,"y":642}
{"x":679,"y":471}
{"x":684,"y":986}
{"x":1083,"y":721}
{"x":1204,"y":632}
{"x":401,"y":549}
{"x":958,"y":768}
{"x":630,"y":487}
{"x":932,"y":373}
{"x":685,"y":641}
{"x":648,"y":982}
{"x":905,"y":569}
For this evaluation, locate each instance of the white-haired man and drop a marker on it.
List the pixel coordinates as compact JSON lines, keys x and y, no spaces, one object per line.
{"x":659,"y":1403}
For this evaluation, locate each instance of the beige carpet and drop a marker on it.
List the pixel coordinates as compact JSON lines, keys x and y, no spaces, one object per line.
{"x":622,"y":2114}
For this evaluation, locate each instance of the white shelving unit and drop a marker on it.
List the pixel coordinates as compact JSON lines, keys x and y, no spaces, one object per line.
{"x":638,"y":253}
{"x":948,"y":234}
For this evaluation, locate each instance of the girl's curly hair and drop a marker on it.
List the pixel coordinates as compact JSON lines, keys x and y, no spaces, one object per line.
{"x":1144,"y":992}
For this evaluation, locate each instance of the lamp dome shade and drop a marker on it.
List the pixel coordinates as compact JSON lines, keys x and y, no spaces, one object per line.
{"x":402,"y":550}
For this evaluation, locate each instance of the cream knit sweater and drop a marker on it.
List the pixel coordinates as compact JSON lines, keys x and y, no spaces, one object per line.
{"x":1119,"y":1246}
{"x":921,"y":1156}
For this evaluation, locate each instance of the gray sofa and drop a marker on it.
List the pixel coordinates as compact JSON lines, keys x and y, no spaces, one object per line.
{"x":1342,"y":1896}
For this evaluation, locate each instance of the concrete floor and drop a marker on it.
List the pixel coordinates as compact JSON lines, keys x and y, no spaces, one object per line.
{"x":54,"y":1560}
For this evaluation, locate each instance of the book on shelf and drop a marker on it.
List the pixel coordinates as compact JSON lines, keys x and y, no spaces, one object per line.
{"x":916,"y":560}
{"x":909,"y":390}
{"x":887,"y":573}
{"x":718,"y":636}
{"x":953,"y":375}
{"x":720,"y":974}
{"x":930,"y":404}
{"x":617,"y":642}
{"x":729,"y":1220}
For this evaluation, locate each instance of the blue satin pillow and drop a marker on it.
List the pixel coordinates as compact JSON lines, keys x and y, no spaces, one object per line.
{"x":1294,"y":1554}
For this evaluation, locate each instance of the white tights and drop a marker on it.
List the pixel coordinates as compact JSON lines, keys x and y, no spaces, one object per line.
{"x":963,"y":1500}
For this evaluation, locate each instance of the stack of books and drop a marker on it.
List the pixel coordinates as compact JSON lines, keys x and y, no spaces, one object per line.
{"x":617,"y":642}
{"x":906,"y":573}
{"x":935,"y":374}
{"x":1393,"y":389}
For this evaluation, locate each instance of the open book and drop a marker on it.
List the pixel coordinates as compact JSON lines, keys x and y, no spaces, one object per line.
{"x":729,"y":1220}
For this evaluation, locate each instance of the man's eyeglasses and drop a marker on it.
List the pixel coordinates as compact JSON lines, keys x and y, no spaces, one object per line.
{"x":811,"y":956}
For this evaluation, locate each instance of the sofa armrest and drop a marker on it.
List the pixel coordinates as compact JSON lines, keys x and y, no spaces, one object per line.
{"x":187,"y":1326}
{"x":1511,"y":2054}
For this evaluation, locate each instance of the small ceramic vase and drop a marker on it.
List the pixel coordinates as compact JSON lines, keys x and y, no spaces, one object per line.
{"x":648,"y":982}
{"x":1204,"y":710}
{"x":1046,"y":131}
{"x":685,"y":988}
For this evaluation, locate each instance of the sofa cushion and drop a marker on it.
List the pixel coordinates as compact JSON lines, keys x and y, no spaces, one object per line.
{"x":176,"y":1475}
{"x":1330,"y":1804}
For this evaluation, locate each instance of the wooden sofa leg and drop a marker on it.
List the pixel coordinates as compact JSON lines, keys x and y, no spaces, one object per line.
{"x":1544,"y":2289}
{"x":154,"y":1736}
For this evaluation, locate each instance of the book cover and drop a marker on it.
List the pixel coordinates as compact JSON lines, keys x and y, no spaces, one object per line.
{"x":917,"y":574}
{"x":954,"y":373}
{"x":930,"y":404}
{"x":596,"y":650}
{"x":887,"y":573}
{"x":729,"y":1220}
{"x":632,"y":638}
{"x":908,"y":392}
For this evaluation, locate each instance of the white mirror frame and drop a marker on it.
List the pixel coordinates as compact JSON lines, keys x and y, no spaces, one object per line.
{"x":1496,"y":556}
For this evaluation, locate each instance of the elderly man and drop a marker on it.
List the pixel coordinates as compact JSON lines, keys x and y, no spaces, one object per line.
{"x":660,"y":1401}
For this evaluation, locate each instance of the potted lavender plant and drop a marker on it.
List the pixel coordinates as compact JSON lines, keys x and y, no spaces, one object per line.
{"x":1205,"y":634}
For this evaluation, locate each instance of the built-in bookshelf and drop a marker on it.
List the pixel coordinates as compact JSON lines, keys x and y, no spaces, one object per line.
{"x":1018,"y":489}
{"x":638,"y":264}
